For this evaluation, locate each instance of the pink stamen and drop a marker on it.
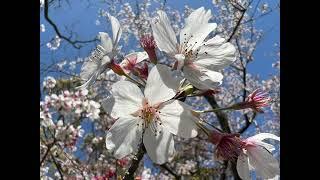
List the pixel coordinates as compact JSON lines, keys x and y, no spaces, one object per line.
{"x":228,"y":146}
{"x":149,"y":45}
{"x":256,"y":100}
{"x":150,"y":115}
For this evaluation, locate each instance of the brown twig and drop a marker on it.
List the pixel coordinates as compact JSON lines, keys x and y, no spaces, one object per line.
{"x":135,"y":163}
{"x":74,"y":43}
{"x":166,"y":167}
{"x":57,"y":166}
{"x":237,"y":25}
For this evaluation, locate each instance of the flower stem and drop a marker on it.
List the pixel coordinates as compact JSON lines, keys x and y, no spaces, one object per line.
{"x":215,"y":110}
{"x":135,"y":81}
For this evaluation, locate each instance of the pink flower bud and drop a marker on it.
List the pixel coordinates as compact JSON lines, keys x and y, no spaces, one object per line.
{"x":116,"y":68}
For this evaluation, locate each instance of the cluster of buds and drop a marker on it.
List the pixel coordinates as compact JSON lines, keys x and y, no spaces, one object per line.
{"x":122,"y":162}
{"x":68,"y":134}
{"x":130,"y":65}
{"x":109,"y":174}
{"x":73,"y":104}
{"x":49,"y":83}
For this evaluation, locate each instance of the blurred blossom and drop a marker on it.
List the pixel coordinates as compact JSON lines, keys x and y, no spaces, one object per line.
{"x":264,"y":8}
{"x":42,"y":28}
{"x":49,"y":82}
{"x":97,"y":22}
{"x":72,"y":65}
{"x":54,"y":43}
{"x":61,"y":64}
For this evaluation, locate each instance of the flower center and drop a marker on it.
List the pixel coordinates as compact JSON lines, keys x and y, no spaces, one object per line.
{"x":228,"y":146}
{"x":149,"y":115}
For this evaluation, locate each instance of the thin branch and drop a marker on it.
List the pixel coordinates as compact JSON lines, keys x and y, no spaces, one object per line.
{"x":237,"y":25}
{"x":74,"y":43}
{"x":58,"y":167}
{"x":47,"y":152}
{"x":248,"y":122}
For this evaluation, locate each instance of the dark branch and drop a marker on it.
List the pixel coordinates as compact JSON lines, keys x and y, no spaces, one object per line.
{"x":237,"y":25}
{"x":135,"y":163}
{"x":74,"y":43}
{"x":58,"y":167}
{"x":222,"y":117}
{"x":47,"y":152}
{"x":248,"y":122}
{"x":166,"y":167}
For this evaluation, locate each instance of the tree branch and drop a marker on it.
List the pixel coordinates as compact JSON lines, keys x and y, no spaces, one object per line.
{"x":237,"y":25}
{"x":222,"y":117}
{"x":74,"y":43}
{"x":47,"y":152}
{"x":135,"y":163}
{"x":58,"y":167}
{"x":224,"y":123}
{"x":166,"y":167}
{"x":248,"y":122}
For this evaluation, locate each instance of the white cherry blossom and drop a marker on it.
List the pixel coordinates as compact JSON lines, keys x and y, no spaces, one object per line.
{"x":257,"y":155}
{"x":151,"y":116}
{"x":200,"y":60}
{"x":103,"y":54}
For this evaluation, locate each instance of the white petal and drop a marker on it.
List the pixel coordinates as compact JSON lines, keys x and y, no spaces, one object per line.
{"x":107,"y":104}
{"x":269,"y":147}
{"x":263,"y":136}
{"x":124,"y":137}
{"x":116,"y":29}
{"x":258,"y":138}
{"x":161,"y":85}
{"x":202,"y":78}
{"x":198,"y":16}
{"x":277,"y":177}
{"x":263,"y":162}
{"x":128,"y":98}
{"x":106,"y":41}
{"x":243,"y":167}
{"x":163,"y":33}
{"x":160,"y":147}
{"x":91,"y":70}
{"x":177,"y":118}
{"x":88,"y":69}
{"x":105,"y":60}
{"x":197,"y":26}
{"x":216,"y":54}
{"x":141,"y":56}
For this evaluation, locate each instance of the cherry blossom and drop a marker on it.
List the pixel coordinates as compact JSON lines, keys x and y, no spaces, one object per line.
{"x":98,"y":62}
{"x":257,"y":155}
{"x":152,"y":116}
{"x":200,"y":60}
